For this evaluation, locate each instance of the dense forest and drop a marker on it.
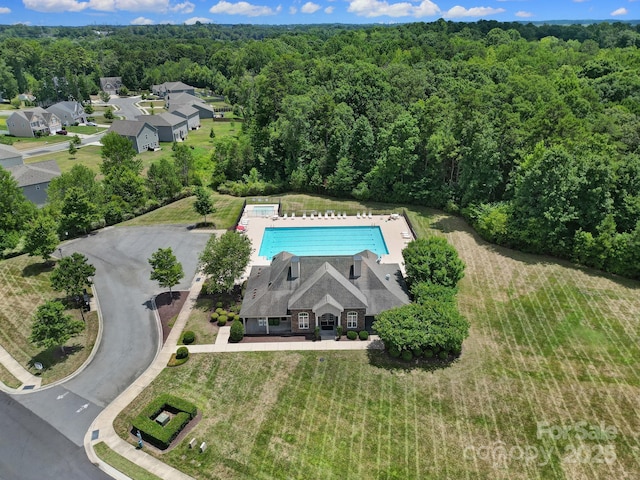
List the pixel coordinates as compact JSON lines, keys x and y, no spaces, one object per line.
{"x":531,"y":132}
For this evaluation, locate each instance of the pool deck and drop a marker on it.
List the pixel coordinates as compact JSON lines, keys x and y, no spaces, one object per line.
{"x":392,"y":228}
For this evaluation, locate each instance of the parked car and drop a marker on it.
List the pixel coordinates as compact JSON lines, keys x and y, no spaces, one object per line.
{"x":62,"y":132}
{"x":92,"y":124}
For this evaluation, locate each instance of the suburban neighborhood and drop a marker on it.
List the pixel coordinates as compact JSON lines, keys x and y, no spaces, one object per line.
{"x":393,"y":250}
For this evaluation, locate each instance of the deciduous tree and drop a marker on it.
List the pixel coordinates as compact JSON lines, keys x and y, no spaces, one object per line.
{"x":224,"y":259}
{"x":432,"y":260}
{"x":71,"y":275}
{"x":41,"y":237}
{"x":52,"y":327}
{"x":166,"y":269}
{"x":203,"y":204}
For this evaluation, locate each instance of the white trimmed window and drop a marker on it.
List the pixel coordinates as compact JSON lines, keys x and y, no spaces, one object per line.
{"x":352,"y":319}
{"x":262,"y":321}
{"x":303,"y":320}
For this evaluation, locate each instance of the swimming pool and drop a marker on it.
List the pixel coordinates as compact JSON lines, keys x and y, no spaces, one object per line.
{"x":307,"y":241}
{"x":262,"y":211}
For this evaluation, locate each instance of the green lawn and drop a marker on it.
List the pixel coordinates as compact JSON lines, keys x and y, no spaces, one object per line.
{"x":8,"y":379}
{"x":21,"y":143}
{"x":24,"y":285}
{"x":199,"y":322}
{"x":549,"y":342}
{"x":122,"y":464}
{"x":181,"y":212}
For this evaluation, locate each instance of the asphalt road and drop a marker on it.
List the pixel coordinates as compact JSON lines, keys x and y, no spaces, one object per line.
{"x":30,"y":449}
{"x":126,"y":107}
{"x":130,"y":331}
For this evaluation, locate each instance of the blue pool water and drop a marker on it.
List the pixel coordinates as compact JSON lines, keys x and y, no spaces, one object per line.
{"x":307,"y":241}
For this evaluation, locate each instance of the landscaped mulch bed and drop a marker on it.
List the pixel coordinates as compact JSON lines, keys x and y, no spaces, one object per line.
{"x":168,"y":308}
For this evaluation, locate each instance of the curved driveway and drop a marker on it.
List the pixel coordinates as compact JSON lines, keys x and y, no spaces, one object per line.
{"x":130,"y":336}
{"x":126,"y":106}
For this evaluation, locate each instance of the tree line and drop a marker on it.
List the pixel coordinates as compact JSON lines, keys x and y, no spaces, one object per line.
{"x":530,"y":132}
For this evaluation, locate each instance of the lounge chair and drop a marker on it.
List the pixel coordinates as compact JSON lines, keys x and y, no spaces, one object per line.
{"x":293,"y":215}
{"x":344,"y":215}
{"x":285,"y":215}
{"x":312,"y":216}
{"x":326,"y":216}
{"x":370,"y":216}
{"x":333,"y":215}
{"x":358,"y":215}
{"x":304,"y":216}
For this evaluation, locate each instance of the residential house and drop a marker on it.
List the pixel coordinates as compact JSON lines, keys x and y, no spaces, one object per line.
{"x":167,"y":88}
{"x":171,"y":128}
{"x":178,"y":100}
{"x":191,"y":114}
{"x":26,"y":97}
{"x":69,"y":112}
{"x":33,"y":122}
{"x":34,"y":179}
{"x":111,"y":85}
{"x":297,"y":294}
{"x":142,"y":135}
{"x":9,"y":156}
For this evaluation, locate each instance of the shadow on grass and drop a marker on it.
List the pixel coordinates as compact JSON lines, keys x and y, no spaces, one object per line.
{"x":381,"y":359}
{"x":36,"y":269}
{"x":54,"y":355}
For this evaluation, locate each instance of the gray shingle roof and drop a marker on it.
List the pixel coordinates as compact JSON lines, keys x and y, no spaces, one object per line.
{"x":7,"y":151}
{"x":272,"y":292}
{"x":35,"y":173}
{"x":165,"y":119}
{"x":184,"y":111}
{"x":128,"y":128}
{"x":183,"y":98}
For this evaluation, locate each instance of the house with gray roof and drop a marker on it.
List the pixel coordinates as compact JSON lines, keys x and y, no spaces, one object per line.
{"x":33,"y":122}
{"x":111,"y":85}
{"x":68,"y":112}
{"x":141,"y":134}
{"x":177,"y":100}
{"x":171,"y":128}
{"x":34,"y":179}
{"x":9,"y":156}
{"x":190,"y":113}
{"x":167,"y":88}
{"x":297,"y":294}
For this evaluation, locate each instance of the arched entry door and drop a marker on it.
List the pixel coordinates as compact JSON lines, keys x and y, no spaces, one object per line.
{"x":327,"y":321}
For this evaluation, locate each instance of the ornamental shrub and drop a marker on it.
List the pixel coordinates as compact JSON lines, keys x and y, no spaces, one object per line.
{"x":219,"y":305}
{"x":222,"y":322}
{"x":364,"y":335}
{"x":237,"y":331}
{"x":220,"y":311}
{"x":443,"y":355}
{"x":394,"y":351}
{"x":188,"y":337}
{"x":223,"y":318}
{"x":214,"y":317}
{"x":154,"y":433}
{"x":407,"y":356}
{"x":339,"y":330}
{"x":352,"y":334}
{"x":428,"y":353}
{"x":182,"y":352}
{"x":416,"y":352}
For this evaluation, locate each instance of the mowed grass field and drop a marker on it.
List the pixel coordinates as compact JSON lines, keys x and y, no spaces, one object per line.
{"x":24,"y":285}
{"x":551,"y":345}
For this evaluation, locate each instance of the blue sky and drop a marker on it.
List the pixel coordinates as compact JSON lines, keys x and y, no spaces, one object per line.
{"x":149,"y":12}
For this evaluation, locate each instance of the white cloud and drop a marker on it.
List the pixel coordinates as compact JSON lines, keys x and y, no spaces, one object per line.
{"x":194,"y":20}
{"x":620,"y":11}
{"x":184,"y":7}
{"x":293,"y":10}
{"x":523,"y":14}
{"x":4,"y":10}
{"x":461,"y":12}
{"x":55,"y":5}
{"x":243,"y":8}
{"x":310,"y":7}
{"x":377,"y":8}
{"x":142,"y":21}
{"x":329,"y":10}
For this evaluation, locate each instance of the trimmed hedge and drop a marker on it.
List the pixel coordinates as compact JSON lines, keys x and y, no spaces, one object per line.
{"x":154,"y":433}
{"x":237,"y":331}
{"x":182,"y":352}
{"x":352,"y":334}
{"x":364,"y":335}
{"x":188,"y":337}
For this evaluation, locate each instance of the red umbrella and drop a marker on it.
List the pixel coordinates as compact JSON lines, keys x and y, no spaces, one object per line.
{"x":241,"y":228}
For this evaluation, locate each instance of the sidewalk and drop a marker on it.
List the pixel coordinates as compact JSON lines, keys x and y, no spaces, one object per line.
{"x":103,"y":424}
{"x":28,"y":380}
